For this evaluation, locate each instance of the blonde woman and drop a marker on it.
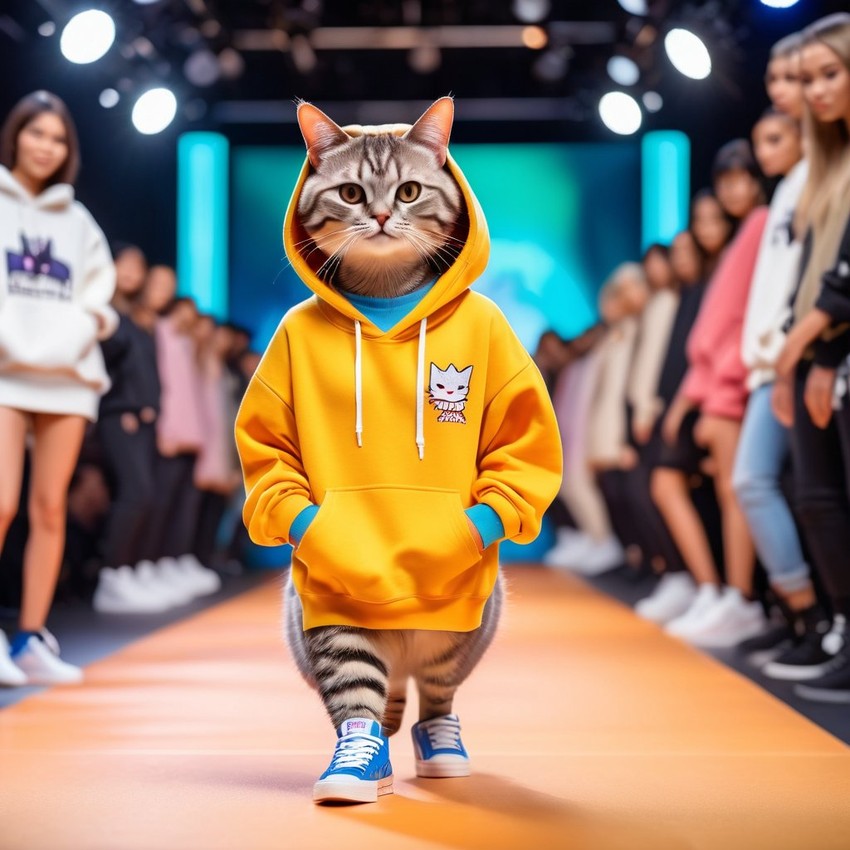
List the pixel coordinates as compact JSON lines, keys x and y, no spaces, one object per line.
{"x":817,"y":344}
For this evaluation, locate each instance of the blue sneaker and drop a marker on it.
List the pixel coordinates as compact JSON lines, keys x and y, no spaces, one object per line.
{"x":439,"y":749}
{"x":360,"y":770}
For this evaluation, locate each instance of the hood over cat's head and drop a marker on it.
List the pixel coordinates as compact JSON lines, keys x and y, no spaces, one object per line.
{"x":401,"y":218}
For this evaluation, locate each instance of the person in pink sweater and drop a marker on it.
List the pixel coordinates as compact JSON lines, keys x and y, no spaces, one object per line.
{"x":715,"y":384}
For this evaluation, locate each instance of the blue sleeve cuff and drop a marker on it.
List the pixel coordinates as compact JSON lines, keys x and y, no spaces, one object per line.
{"x":301,"y":523}
{"x":487,"y":521}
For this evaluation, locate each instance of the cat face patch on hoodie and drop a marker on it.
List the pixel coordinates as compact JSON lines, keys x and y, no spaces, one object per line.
{"x":448,"y":392}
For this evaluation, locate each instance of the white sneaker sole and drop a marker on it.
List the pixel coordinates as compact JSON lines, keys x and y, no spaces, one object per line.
{"x":442,"y":770}
{"x":822,"y":695}
{"x":795,"y":672}
{"x":351,"y":790}
{"x":126,"y":607}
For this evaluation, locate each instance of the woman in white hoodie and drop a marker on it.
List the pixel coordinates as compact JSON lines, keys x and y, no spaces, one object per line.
{"x":56,"y":280}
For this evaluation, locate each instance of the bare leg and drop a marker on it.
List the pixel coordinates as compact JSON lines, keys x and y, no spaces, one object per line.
{"x":722,"y":437}
{"x":54,"y":456}
{"x":673,"y":499}
{"x":13,"y":434}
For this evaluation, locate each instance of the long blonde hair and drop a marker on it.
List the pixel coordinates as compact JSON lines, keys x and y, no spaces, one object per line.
{"x":827,"y":143}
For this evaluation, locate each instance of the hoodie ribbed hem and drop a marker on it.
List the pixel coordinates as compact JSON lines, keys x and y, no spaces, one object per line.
{"x":454,"y":614}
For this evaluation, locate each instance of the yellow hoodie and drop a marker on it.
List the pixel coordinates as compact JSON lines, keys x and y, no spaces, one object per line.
{"x":338,"y":415}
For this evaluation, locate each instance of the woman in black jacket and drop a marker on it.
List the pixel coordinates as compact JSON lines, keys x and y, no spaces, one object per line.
{"x":126,"y":429}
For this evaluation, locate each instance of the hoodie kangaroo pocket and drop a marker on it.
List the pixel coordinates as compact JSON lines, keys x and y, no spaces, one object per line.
{"x":380,"y":544}
{"x":45,"y":334}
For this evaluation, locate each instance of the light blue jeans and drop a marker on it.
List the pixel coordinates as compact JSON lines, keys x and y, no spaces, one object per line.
{"x":762,"y":452}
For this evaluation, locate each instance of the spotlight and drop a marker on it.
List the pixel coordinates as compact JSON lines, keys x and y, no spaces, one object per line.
{"x":652,"y":101}
{"x":425,"y":59}
{"x":620,"y":113}
{"x":231,"y":64}
{"x":303,"y":55}
{"x":87,"y":37}
{"x":635,"y":7}
{"x":154,"y":111}
{"x":530,"y":11}
{"x":201,"y":68}
{"x":109,"y":98}
{"x":534,"y":38}
{"x":779,"y":4}
{"x":688,"y":54}
{"x":623,"y":71}
{"x":552,"y":65}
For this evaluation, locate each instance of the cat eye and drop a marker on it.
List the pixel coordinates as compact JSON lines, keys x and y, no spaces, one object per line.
{"x":409,"y":192}
{"x":351,"y":193}
{"x":441,"y":386}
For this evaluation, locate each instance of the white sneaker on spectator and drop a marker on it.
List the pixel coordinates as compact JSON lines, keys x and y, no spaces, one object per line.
{"x":673,"y":595}
{"x":600,"y":558}
{"x":119,"y":591}
{"x":732,"y":620}
{"x":10,"y":674}
{"x":171,"y":571}
{"x":569,"y":548}
{"x":706,"y":597}
{"x":42,"y":665}
{"x":151,"y":576}
{"x":205,"y":580}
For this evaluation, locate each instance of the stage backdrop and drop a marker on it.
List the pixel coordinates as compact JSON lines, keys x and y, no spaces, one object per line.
{"x":561,"y":217}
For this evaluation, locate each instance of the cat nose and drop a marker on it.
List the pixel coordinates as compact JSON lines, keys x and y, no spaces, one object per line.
{"x":381,"y":219}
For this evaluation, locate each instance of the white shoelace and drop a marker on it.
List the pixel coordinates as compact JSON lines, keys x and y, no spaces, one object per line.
{"x":443,"y":732}
{"x":355,"y":751}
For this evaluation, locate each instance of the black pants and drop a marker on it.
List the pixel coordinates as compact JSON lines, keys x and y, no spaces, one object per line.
{"x":130,"y":460}
{"x":821,"y":460}
{"x":174,"y":520}
{"x":613,"y":483}
{"x":656,"y":539}
{"x":210,"y":514}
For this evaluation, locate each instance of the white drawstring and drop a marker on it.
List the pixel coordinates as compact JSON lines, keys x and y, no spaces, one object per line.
{"x":420,"y":387}
{"x":358,"y":385}
{"x":420,"y":390}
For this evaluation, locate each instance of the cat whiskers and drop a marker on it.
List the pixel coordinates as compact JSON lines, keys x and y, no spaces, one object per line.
{"x":332,"y":263}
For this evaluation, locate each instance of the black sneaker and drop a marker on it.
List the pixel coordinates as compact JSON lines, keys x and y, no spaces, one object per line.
{"x":833,"y":686}
{"x":769,"y":645}
{"x":807,"y":659}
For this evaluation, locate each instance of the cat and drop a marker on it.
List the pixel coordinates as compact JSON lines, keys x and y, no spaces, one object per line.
{"x":395,"y":572}
{"x":342,"y":208}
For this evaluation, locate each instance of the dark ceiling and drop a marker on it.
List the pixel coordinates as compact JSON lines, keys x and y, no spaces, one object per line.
{"x":373,"y":61}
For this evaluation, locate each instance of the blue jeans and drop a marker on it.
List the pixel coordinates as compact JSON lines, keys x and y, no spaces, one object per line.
{"x":762,"y":452}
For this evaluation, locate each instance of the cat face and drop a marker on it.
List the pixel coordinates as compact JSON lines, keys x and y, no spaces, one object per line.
{"x":449,"y":384}
{"x":377,"y":207}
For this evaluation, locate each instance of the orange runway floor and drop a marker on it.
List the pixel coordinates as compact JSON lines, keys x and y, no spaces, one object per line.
{"x":588,"y":730}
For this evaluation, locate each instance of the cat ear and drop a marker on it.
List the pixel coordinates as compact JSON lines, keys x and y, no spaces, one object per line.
{"x":320,"y":133}
{"x":434,"y":128}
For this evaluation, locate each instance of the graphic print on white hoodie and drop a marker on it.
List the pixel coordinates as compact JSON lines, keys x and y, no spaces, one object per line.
{"x":56,"y":282}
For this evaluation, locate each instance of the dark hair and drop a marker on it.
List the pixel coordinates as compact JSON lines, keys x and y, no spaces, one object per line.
{"x":119,"y":248}
{"x":787,"y":46}
{"x":734,"y":156}
{"x":176,"y":302}
{"x":24,"y":112}
{"x":703,"y":195}
{"x":773,"y":112}
{"x":656,"y":247}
